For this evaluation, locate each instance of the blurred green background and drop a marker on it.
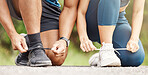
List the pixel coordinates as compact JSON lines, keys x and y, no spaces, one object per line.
{"x":75,"y":54}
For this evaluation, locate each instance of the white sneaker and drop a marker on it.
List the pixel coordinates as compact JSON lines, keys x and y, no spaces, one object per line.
{"x":107,"y":56}
{"x":94,"y":59}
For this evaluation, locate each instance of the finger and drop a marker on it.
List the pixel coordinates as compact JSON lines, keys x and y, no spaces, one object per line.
{"x":88,"y":47}
{"x":92,"y":47}
{"x":54,"y":48}
{"x":136,"y":48}
{"x":20,"y":48}
{"x":55,"y":51}
{"x":132,"y":47}
{"x":24,"y":44}
{"x":82,"y":48}
{"x":14,"y":47}
{"x":60,"y":50}
{"x":128,"y":48}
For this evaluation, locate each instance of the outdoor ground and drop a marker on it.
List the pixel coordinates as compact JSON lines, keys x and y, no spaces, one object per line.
{"x":73,"y":70}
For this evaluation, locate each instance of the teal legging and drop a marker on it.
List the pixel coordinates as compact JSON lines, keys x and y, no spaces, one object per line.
{"x":106,"y":12}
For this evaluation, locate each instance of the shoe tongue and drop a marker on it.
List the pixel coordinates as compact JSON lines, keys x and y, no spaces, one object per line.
{"x":107,"y":46}
{"x":37,"y":46}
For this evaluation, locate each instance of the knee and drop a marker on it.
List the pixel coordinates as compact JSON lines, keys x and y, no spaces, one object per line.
{"x":70,"y":5}
{"x":58,"y":61}
{"x":132,"y":59}
{"x":132,"y":63}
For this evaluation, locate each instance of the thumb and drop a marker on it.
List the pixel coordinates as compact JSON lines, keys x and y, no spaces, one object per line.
{"x":54,"y":48}
{"x":24,"y":44}
{"x":20,"y":48}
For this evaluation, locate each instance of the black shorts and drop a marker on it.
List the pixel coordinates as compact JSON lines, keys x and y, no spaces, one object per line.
{"x":49,"y":18}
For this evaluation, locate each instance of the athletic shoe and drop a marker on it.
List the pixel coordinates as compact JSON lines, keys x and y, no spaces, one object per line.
{"x":22,"y":58}
{"x":37,"y":56}
{"x":94,"y":59}
{"x":107,"y":56}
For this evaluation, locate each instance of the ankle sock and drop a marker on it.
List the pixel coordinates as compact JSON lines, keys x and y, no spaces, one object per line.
{"x":34,"y":39}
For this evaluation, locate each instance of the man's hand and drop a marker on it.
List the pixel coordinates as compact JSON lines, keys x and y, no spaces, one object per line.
{"x":19,"y":43}
{"x":132,"y":45}
{"x":59,"y":47}
{"x":87,"y":45}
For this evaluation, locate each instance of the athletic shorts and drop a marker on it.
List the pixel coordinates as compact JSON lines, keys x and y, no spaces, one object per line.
{"x":49,"y":18}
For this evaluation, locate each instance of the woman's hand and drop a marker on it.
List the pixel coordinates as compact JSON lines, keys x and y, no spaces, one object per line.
{"x":137,"y":18}
{"x":132,"y":45}
{"x":87,"y":45}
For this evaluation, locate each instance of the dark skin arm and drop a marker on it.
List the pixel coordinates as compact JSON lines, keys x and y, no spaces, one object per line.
{"x":18,"y":41}
{"x":66,"y":23}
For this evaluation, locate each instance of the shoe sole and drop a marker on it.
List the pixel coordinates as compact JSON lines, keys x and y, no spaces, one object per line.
{"x":43,"y":64}
{"x":108,"y":63}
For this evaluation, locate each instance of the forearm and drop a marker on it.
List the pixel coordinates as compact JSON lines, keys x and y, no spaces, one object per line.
{"x":81,"y":26}
{"x":67,"y":20}
{"x":81,"y":19}
{"x":137,"y":19}
{"x":5,"y":18}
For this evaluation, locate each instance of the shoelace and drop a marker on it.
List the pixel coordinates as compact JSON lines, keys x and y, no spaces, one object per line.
{"x":38,"y":47}
{"x":115,"y":49}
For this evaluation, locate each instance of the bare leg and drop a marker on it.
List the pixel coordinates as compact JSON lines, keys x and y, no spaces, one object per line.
{"x":31,"y":13}
{"x":106,"y":33}
{"x":48,"y":39}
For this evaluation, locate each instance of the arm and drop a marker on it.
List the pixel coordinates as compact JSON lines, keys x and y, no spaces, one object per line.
{"x":5,"y":18}
{"x":86,"y":44}
{"x":66,"y":22}
{"x":6,"y":21}
{"x":137,"y":18}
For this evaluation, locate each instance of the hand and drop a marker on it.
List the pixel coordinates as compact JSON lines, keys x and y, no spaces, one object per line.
{"x":87,"y":45}
{"x":59,"y":47}
{"x":19,"y":43}
{"x":132,"y":45}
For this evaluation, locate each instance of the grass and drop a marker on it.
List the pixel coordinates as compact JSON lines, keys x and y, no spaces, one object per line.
{"x":145,"y":63}
{"x":6,"y":57}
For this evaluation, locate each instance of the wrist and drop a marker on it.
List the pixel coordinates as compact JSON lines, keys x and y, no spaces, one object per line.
{"x":134,"y":39}
{"x":12,"y":34}
{"x":83,"y":38}
{"x":62,"y":41}
{"x":66,"y":40}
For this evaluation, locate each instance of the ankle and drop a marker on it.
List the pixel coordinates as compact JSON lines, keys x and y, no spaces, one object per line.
{"x":34,"y":39}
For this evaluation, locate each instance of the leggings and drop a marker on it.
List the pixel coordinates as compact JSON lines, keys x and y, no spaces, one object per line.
{"x":106,"y":13}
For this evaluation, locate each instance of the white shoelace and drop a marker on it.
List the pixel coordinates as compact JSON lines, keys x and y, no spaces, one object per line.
{"x":107,"y":45}
{"x":115,"y":49}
